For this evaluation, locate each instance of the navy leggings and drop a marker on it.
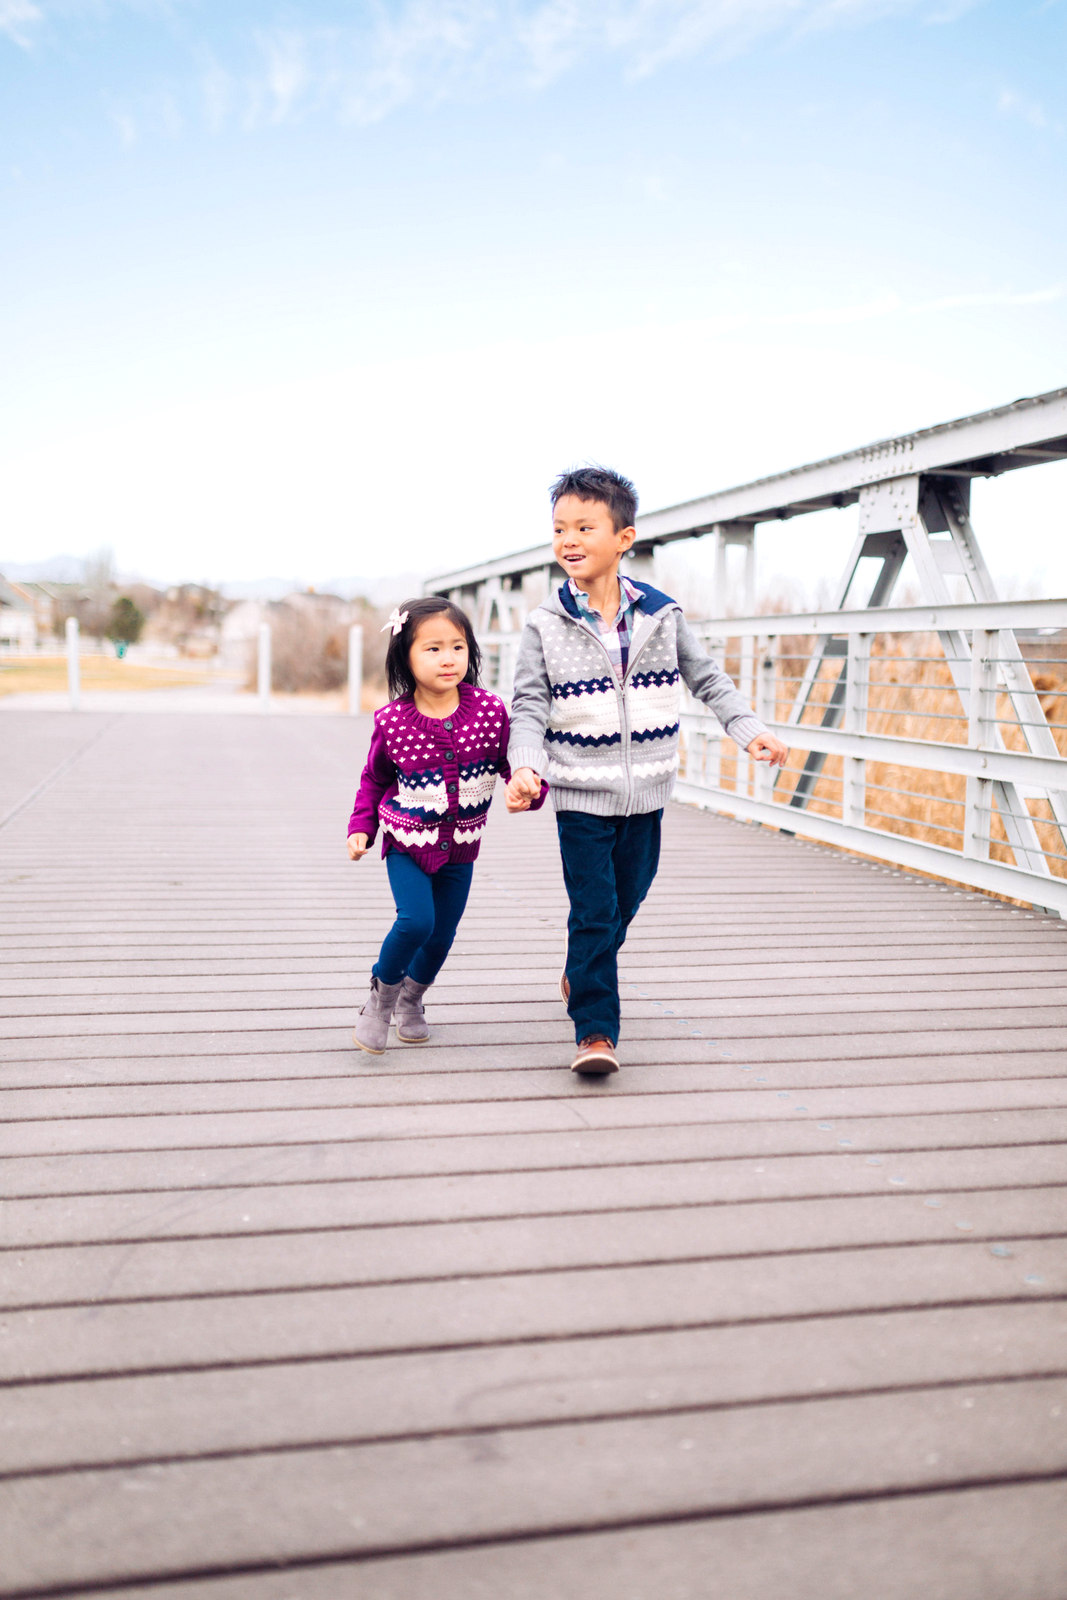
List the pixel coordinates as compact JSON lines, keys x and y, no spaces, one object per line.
{"x":428,"y":909}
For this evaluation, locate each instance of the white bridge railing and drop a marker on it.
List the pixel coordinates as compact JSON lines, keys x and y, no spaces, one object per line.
{"x":930,"y":737}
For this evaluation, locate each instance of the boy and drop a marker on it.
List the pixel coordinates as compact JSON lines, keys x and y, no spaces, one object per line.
{"x":595,"y":707}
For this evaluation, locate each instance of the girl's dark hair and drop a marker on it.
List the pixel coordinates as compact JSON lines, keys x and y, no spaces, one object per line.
{"x":397,"y":670}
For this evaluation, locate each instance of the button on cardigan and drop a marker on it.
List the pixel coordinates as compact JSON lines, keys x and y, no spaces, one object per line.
{"x":429,"y":781}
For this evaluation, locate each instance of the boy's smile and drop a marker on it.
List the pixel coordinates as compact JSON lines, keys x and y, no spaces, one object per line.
{"x":585,"y":541}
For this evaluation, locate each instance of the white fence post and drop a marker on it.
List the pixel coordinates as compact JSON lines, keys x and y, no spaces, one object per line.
{"x":263,"y":667}
{"x":355,"y":669}
{"x":764,"y":706}
{"x":981,"y":735}
{"x":854,"y":768}
{"x":74,"y":676}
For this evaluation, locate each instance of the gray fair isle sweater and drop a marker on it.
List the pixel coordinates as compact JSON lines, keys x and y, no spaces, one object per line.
{"x":607,"y":747}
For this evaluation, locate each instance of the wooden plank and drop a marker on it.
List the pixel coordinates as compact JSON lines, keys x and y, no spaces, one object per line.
{"x":343,"y":1501}
{"x":534,"y":1001}
{"x":178,"y":1415}
{"x":695,"y":1065}
{"x":301,"y":1126}
{"x":134,"y":993}
{"x":447,"y":1311}
{"x":372,"y":1201}
{"x":405,"y":1142}
{"x":722,"y":1103}
{"x":249,"y":1263}
{"x":484,"y":1021}
{"x":977,"y":1544}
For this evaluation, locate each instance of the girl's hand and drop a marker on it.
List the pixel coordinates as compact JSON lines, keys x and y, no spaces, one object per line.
{"x":765,"y":747}
{"x":357,"y":846}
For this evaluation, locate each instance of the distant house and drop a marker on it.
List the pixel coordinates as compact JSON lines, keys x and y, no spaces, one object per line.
{"x":240,"y":626}
{"x":185,"y":621}
{"x":18,"y":624}
{"x":51,"y":602}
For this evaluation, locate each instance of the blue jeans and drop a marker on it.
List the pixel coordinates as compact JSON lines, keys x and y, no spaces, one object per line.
{"x":428,"y":909}
{"x":608,"y":866}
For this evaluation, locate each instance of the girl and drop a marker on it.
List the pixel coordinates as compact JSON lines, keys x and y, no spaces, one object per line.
{"x":430,"y":774}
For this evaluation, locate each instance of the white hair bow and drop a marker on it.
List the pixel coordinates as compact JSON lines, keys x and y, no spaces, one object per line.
{"x":397,"y":619}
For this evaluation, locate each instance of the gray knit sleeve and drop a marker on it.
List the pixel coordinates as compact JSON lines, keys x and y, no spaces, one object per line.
{"x":531,"y":702}
{"x":711,"y":685}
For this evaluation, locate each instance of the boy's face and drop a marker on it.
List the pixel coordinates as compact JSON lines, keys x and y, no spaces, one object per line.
{"x":585,"y":540}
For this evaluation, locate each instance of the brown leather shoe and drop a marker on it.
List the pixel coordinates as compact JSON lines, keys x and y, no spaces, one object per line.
{"x":564,"y":987}
{"x":596,"y":1057}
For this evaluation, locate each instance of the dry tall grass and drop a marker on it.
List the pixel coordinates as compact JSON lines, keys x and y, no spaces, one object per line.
{"x":911,"y":696}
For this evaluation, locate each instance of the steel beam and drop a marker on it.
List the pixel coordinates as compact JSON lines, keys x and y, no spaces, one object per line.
{"x":1023,"y":434}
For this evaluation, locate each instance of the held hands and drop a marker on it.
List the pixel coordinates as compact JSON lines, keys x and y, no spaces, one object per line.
{"x":765,"y":747}
{"x":523,"y":789}
{"x":357,"y":846}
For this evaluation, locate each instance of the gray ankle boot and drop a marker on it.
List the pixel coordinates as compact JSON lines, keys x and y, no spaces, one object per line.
{"x":371,"y":1031}
{"x":409,"y":1018}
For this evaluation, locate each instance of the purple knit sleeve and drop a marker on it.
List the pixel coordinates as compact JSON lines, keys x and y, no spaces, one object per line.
{"x":379,"y":774}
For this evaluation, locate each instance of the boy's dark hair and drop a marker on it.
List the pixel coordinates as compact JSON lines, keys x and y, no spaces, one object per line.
{"x":600,"y":483}
{"x":397,"y":670}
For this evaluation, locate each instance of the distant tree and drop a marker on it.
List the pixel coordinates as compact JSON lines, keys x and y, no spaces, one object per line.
{"x":97,"y":592}
{"x":98,"y":570}
{"x":125,"y":621}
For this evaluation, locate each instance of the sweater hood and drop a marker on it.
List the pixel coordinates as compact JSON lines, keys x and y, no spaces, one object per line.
{"x":652,"y":600}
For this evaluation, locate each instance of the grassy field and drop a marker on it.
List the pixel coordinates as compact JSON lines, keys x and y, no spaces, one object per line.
{"x":22,"y":676}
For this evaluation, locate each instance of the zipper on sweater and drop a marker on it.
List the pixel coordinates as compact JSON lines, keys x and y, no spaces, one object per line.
{"x":620,"y":696}
{"x":626,"y":745}
{"x":631,"y":663}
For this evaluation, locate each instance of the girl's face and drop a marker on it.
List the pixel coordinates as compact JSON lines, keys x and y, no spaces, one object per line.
{"x":438,"y":655}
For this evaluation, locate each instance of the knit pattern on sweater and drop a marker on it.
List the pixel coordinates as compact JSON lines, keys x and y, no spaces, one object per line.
{"x":609,"y":747}
{"x":428,"y":782}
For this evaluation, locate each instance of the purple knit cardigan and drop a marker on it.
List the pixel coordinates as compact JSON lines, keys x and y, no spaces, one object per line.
{"x":428,"y":781}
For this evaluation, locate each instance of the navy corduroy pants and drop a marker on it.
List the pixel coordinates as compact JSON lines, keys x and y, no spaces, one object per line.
{"x":608,"y":866}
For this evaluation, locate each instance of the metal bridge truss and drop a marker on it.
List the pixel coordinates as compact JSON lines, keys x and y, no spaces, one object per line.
{"x":913,"y":498}
{"x":978,"y":650}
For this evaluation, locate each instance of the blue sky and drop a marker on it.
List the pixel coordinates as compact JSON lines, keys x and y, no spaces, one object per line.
{"x":336,"y":289}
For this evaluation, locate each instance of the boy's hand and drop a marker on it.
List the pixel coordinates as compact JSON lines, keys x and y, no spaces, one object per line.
{"x":357,"y":846}
{"x":765,"y":747}
{"x":525,"y":786}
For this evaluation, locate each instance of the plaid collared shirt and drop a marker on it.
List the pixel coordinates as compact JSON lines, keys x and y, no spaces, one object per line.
{"x":615,"y":636}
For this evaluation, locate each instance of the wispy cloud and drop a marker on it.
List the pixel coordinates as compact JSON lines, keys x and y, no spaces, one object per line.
{"x":889,"y":304}
{"x":1030,"y":111}
{"x":125,"y":126}
{"x":406,"y":52}
{"x":1002,"y":297}
{"x":19,"y":19}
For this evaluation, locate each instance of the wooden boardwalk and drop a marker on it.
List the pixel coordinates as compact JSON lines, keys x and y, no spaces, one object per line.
{"x":777,"y":1312}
